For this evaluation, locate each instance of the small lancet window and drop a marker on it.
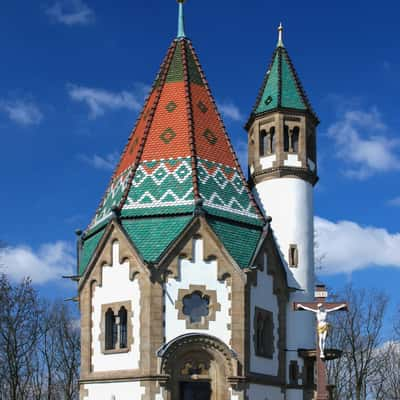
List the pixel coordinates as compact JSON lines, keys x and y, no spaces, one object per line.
{"x":123,"y":328}
{"x":286,"y":139}
{"x":295,"y":139}
{"x":111,"y":330}
{"x":293,"y":256}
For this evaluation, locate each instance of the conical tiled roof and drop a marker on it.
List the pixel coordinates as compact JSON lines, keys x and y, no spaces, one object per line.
{"x":281,"y":88}
{"x":177,"y":159}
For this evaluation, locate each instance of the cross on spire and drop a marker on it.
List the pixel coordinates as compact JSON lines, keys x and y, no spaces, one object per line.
{"x":181,"y":20}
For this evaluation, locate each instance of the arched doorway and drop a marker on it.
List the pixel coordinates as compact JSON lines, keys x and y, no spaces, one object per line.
{"x":197,"y":367}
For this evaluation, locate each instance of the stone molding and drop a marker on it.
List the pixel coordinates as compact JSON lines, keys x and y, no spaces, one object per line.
{"x":213,"y":306}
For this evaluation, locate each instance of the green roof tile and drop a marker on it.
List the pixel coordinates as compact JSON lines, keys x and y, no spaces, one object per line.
{"x":89,"y":246}
{"x":240,"y":240}
{"x":152,"y":236}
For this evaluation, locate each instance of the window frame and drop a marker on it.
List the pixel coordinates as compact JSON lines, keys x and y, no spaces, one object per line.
{"x":265,"y":349}
{"x":116,"y":309}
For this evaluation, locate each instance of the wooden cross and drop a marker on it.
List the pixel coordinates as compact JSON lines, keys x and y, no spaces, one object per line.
{"x":321,"y":309}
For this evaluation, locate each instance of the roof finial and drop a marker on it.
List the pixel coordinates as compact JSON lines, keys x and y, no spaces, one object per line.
{"x":181,"y":21}
{"x":280,"y":36}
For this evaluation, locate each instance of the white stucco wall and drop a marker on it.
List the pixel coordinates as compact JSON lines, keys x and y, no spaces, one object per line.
{"x":261,"y":392}
{"x":289,"y":201}
{"x":292,"y":161}
{"x":262,"y":296}
{"x":114,"y":391}
{"x":116,"y":287}
{"x":204,"y":273}
{"x":268,"y":161}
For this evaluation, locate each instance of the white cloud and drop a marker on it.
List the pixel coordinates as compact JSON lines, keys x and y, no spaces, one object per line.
{"x":22,"y":112}
{"x":394,"y":202}
{"x":347,"y":246}
{"x":229,"y":110}
{"x":71,"y":12}
{"x":99,"y":100}
{"x":107,"y":162}
{"x":50,"y":262}
{"x":362,"y":144}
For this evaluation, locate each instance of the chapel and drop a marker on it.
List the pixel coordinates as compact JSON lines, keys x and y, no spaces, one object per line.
{"x":188,"y":271}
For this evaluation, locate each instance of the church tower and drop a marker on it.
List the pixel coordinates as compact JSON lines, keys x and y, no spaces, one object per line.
{"x":282,"y":173}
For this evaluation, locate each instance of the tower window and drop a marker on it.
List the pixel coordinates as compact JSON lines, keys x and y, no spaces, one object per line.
{"x":286,"y":139}
{"x":295,"y":139}
{"x":267,"y":142}
{"x":263,"y":333}
{"x":111,"y":330}
{"x":293,"y":256}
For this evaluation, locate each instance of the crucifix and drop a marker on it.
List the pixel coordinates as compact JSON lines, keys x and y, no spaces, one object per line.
{"x":321,"y":309}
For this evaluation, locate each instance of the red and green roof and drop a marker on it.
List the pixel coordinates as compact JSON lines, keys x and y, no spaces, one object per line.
{"x":178,"y":156}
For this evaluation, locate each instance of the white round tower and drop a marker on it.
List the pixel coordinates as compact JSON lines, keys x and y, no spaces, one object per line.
{"x":283,"y":172}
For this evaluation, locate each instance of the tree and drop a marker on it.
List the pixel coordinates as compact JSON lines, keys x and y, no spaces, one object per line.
{"x":358,"y":334}
{"x":20,"y":318}
{"x":39,"y":346}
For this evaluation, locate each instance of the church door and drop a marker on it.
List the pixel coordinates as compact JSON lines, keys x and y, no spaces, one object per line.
{"x":195,"y":391}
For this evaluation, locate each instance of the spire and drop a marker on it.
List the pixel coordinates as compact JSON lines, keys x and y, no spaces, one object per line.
{"x":181,"y":21}
{"x":280,"y":36}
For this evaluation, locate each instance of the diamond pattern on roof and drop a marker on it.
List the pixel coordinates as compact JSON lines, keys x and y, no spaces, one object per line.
{"x":168,"y":136}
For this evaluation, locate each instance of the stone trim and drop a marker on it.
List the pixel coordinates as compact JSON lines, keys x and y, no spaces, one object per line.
{"x":115,"y":307}
{"x":279,"y":119}
{"x":213,"y":306}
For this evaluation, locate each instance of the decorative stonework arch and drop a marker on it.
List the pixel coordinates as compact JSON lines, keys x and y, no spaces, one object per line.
{"x":195,"y":357}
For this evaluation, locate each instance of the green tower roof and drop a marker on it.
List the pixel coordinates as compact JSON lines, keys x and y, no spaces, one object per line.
{"x":281,"y":88}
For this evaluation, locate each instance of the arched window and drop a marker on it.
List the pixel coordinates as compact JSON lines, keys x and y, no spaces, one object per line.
{"x":295,"y":139}
{"x":123,"y":328}
{"x":111,"y":330}
{"x":286,"y":141}
{"x":263,"y":143}
{"x":272,"y":141}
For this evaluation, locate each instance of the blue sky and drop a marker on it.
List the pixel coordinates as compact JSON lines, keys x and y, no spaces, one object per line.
{"x":75,"y":73}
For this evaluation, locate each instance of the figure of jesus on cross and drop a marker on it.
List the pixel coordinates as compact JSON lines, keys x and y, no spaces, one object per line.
{"x":321,"y":309}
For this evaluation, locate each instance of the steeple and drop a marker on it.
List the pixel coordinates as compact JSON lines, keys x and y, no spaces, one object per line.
{"x":178,"y":163}
{"x":281,"y":88}
{"x":181,"y":20}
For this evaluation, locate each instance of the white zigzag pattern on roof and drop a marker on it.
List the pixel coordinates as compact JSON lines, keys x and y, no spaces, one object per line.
{"x":141,"y":203}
